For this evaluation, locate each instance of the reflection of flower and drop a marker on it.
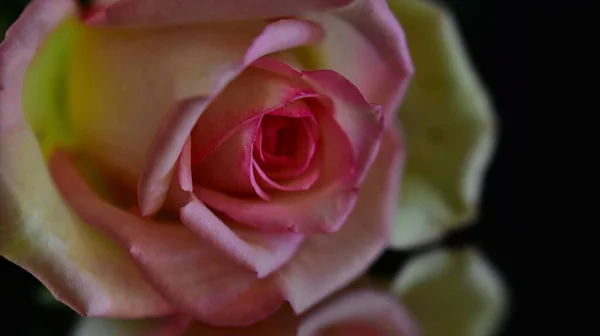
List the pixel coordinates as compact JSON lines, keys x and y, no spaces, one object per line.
{"x":353,"y":312}
{"x":441,"y":293}
{"x":453,"y":293}
{"x":449,"y":126}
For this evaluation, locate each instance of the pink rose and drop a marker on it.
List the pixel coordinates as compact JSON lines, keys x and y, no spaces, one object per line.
{"x":216,"y":158}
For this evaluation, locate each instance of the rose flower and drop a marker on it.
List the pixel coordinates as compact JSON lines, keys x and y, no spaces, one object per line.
{"x":216,"y":158}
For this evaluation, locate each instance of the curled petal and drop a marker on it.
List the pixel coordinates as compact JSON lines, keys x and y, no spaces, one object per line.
{"x":449,"y":125}
{"x":157,"y":12}
{"x":37,"y":229}
{"x":364,"y":43}
{"x":453,"y":293}
{"x":261,"y":252}
{"x":214,"y":288}
{"x":361,"y":122}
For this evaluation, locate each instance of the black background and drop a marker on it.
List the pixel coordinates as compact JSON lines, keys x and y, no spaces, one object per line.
{"x":522,"y":50}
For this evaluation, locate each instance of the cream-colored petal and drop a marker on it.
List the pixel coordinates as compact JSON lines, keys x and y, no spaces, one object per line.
{"x":38,"y":231}
{"x":449,"y":125}
{"x":453,"y":293}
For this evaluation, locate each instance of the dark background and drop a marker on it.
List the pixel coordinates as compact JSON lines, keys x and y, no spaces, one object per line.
{"x":522,"y":50}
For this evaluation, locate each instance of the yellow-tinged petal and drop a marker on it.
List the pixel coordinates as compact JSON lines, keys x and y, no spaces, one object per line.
{"x":453,"y":293}
{"x":37,"y":229}
{"x":449,"y":125}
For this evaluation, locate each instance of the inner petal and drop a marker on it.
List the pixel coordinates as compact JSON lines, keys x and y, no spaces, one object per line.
{"x":286,"y":141}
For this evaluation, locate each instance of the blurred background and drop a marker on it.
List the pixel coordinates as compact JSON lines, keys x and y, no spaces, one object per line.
{"x":513,"y":44}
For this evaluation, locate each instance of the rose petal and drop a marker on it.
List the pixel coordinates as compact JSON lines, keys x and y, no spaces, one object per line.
{"x":298,"y":183}
{"x":229,"y":167}
{"x":325,"y":263}
{"x":179,"y":124}
{"x":453,"y":293}
{"x":362,"y":312}
{"x":157,"y":12}
{"x":189,"y":272}
{"x":365,"y":44}
{"x":169,"y":326}
{"x":450,"y":128}
{"x":259,"y":251}
{"x":362,"y":122}
{"x":37,"y":229}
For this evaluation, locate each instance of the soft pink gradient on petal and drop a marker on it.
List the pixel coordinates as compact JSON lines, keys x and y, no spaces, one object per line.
{"x":325,"y":263}
{"x":229,"y":166}
{"x":359,"y":313}
{"x":180,"y":122}
{"x":366,"y":44}
{"x":159,"y":12}
{"x":158,"y":172}
{"x":189,"y":272}
{"x":362,"y":122}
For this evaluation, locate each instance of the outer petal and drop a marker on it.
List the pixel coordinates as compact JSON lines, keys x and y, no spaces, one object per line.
{"x":158,"y":12}
{"x":453,"y":293}
{"x":325,"y":263}
{"x":169,"y":326}
{"x":449,"y":125}
{"x":364,"y":43}
{"x":213,"y":288}
{"x":37,"y":230}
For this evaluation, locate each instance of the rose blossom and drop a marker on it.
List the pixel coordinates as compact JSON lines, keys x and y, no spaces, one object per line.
{"x":215,"y":158}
